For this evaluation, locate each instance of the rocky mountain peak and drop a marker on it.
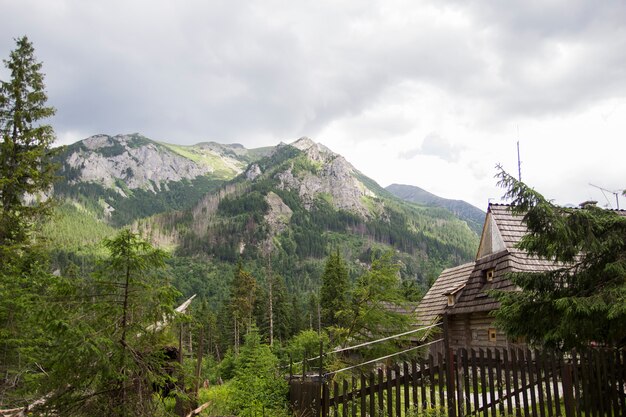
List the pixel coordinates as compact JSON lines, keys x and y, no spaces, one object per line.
{"x":303,"y":143}
{"x":136,"y":162}
{"x":329,"y":176}
{"x":313,"y":150}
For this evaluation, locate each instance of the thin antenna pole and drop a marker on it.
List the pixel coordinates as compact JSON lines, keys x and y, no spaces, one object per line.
{"x":519,"y":164}
{"x":615,"y":193}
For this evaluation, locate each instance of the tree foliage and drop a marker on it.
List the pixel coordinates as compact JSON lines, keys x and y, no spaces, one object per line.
{"x":373,"y":310}
{"x":334,"y":290}
{"x":24,"y":283}
{"x":258,"y":387}
{"x":108,"y":350}
{"x":241,"y":306}
{"x":25,"y":165}
{"x":583,"y":300}
{"x":25,"y":171}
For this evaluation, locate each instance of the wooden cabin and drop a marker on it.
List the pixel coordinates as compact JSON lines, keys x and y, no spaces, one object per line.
{"x":446,"y":288}
{"x":467,"y":305}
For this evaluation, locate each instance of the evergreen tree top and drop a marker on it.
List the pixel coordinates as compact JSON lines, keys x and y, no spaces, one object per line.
{"x":583,"y":300}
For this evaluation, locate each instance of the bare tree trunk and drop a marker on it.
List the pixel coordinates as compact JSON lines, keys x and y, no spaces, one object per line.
{"x":270,"y":280}
{"x":180,"y":407}
{"x":271,"y":314}
{"x":236,"y":337}
{"x":319,"y":319}
{"x":123,"y":337}
{"x":190,"y":346}
{"x":199,"y":359}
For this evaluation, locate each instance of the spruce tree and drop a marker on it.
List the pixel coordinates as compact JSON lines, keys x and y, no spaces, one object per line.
{"x":258,"y":388}
{"x":583,"y":300}
{"x":333,"y":293}
{"x":242,"y":300}
{"x":26,"y":168}
{"x":374,"y":308}
{"x":25,"y":172}
{"x":110,"y":335}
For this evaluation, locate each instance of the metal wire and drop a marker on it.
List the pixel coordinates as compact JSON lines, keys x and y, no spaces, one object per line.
{"x":383,"y":357}
{"x":372,"y":342}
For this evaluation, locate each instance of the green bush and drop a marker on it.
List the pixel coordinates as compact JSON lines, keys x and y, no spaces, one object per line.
{"x":220,"y":398}
{"x":257,"y":386}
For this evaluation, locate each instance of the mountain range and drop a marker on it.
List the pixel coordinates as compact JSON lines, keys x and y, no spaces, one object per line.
{"x":223,"y":202}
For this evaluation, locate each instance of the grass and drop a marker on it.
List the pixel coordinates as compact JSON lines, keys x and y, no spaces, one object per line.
{"x":206,"y":158}
{"x":219,"y":396}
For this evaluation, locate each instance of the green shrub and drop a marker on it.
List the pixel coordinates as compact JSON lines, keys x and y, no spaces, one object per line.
{"x":257,"y":386}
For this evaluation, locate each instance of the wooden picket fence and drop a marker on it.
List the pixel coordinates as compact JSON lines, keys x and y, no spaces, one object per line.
{"x":484,"y":382}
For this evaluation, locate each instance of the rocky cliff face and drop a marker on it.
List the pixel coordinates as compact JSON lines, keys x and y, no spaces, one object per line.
{"x":133,"y":161}
{"x":331,"y":176}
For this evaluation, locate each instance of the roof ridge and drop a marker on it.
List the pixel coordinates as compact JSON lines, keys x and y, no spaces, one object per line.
{"x":509,"y":205}
{"x":454,"y":268}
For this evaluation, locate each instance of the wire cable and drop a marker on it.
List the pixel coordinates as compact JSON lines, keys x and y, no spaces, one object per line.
{"x":382,"y":357}
{"x":372,"y":342}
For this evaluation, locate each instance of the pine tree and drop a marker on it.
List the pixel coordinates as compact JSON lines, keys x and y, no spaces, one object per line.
{"x":26,"y":168}
{"x":334,"y":289}
{"x":583,"y":300}
{"x":284,"y":310}
{"x":373,"y":309}
{"x":242,"y":298}
{"x":109,"y":337}
{"x":257,"y":386}
{"x":25,"y":171}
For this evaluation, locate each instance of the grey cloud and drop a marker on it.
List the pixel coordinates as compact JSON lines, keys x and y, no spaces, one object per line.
{"x":552,"y":57}
{"x":435,"y":145}
{"x":227,"y":70}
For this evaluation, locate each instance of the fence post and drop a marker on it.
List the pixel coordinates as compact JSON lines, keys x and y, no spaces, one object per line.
{"x":568,"y":398}
{"x":451,"y":391}
{"x":321,"y":359}
{"x":325,"y":391}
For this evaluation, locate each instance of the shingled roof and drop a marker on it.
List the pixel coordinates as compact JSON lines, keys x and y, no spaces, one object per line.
{"x":502,"y":231}
{"x":432,"y":306}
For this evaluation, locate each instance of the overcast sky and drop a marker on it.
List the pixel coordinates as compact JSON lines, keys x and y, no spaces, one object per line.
{"x":427,"y":93}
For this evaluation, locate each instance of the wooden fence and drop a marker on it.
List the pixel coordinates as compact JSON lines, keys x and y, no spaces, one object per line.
{"x":487,"y":382}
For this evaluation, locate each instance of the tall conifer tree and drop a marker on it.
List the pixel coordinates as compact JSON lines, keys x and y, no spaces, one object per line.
{"x":333,"y":293}
{"x":242,"y":298}
{"x":25,"y":164}
{"x":108,"y":352}
{"x":25,"y":170}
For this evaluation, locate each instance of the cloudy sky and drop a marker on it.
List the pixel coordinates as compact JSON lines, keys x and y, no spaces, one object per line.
{"x":428,"y":93}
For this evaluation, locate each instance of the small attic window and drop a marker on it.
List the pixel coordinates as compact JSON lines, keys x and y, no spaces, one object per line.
{"x":489,"y":273}
{"x":492,"y":334}
{"x":451,"y":299}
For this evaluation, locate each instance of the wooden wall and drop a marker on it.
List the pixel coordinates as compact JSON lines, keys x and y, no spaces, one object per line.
{"x":471,"y":331}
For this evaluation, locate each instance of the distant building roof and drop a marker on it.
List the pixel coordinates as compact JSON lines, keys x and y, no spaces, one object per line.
{"x":434,"y":302}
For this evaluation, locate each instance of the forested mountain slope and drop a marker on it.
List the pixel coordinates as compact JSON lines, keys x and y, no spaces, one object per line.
{"x":277,"y":212}
{"x":473,"y":216}
{"x":211,"y":205}
{"x":300,"y":202}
